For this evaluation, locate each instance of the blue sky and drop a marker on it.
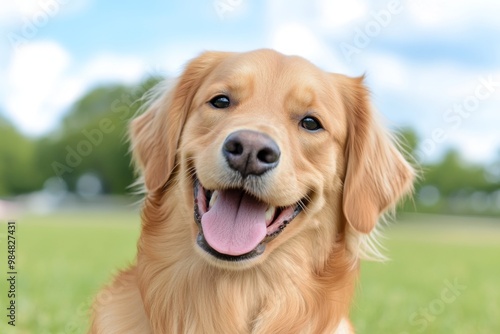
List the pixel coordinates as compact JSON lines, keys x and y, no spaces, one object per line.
{"x":431,"y":64}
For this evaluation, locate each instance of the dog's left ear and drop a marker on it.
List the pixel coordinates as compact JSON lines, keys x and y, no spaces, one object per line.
{"x":377,"y":175}
{"x":155,"y":134}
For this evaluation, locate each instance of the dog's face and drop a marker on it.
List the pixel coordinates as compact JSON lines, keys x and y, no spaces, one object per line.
{"x":264,"y":138}
{"x":266,"y":147}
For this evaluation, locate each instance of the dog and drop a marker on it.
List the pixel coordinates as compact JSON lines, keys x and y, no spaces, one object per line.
{"x":264,"y":178}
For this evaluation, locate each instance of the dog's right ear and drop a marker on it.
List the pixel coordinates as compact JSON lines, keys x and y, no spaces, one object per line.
{"x":377,"y":175}
{"x":156,"y":133}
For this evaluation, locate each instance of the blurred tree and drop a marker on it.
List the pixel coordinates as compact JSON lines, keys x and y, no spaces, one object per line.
{"x":92,"y":138}
{"x":17,"y":171}
{"x":452,"y":175}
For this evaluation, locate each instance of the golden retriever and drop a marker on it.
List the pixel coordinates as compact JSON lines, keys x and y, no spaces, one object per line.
{"x":264,"y":177}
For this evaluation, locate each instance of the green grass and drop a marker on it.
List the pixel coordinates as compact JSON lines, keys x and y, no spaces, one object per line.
{"x":64,"y":259}
{"x":409,"y":294}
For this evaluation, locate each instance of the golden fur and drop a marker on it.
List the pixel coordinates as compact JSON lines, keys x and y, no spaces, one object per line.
{"x":349,"y":173}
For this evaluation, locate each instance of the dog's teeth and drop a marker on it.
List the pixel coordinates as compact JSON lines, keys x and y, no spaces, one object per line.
{"x":215,"y":194}
{"x":270,"y":213}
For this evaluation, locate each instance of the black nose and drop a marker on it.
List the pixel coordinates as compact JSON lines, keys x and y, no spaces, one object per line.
{"x":250,"y":152}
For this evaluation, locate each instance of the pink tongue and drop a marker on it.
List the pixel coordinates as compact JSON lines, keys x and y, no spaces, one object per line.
{"x":236,"y":224}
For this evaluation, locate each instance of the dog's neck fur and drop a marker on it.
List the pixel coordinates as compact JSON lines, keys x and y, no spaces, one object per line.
{"x":203,"y":298}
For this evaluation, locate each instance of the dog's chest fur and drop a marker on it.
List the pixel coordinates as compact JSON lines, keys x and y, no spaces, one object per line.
{"x":185,"y":294}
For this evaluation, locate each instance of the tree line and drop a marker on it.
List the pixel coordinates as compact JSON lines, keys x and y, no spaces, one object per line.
{"x":92,"y":139}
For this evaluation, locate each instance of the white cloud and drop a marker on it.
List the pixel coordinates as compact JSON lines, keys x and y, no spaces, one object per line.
{"x":456,"y":103}
{"x":43,"y":82}
{"x":450,"y":14}
{"x":425,"y":90}
{"x":298,"y":39}
{"x":11,"y":9}
{"x":476,"y":147}
{"x":335,"y":14}
{"x":431,"y":92}
{"x":173,"y":59}
{"x":388,"y":72}
{"x":439,"y":81}
{"x":33,"y":76}
{"x":109,"y":67}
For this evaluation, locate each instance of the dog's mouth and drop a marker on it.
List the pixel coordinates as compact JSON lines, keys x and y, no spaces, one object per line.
{"x":234,"y":225}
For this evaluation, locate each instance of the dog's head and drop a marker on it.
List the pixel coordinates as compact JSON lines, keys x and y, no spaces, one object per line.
{"x":268,"y":147}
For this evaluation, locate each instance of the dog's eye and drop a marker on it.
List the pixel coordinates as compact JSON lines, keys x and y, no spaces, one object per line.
{"x":220,"y":102}
{"x":310,"y":123}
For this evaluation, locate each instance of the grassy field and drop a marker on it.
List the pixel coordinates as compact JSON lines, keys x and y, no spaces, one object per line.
{"x":444,"y":276}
